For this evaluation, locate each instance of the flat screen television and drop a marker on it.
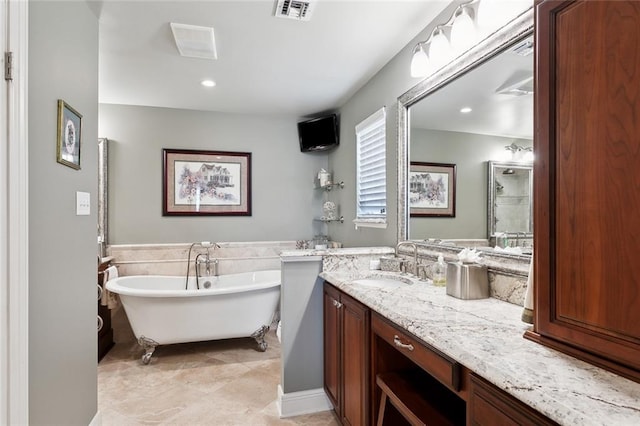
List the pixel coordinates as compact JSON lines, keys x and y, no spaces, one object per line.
{"x":318,"y":134}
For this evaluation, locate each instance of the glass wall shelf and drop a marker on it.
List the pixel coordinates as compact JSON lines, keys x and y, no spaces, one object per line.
{"x":325,"y":220}
{"x":330,"y":186}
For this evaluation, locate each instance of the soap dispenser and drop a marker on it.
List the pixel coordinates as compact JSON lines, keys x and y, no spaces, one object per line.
{"x":440,"y":272}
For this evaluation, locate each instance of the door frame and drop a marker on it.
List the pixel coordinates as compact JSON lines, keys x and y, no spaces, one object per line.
{"x":14,"y":220}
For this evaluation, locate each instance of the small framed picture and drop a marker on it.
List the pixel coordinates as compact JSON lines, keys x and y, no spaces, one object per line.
{"x":69,"y":135}
{"x":432,"y":189}
{"x":197,"y":183}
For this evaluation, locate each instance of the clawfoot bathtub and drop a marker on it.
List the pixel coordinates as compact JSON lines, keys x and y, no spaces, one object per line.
{"x":161,"y":311}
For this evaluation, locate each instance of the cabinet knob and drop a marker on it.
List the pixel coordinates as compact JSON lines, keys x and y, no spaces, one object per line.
{"x":398,"y":343}
{"x":337,"y":304}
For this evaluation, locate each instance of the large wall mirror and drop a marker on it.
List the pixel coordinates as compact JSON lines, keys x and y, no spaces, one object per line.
{"x":495,"y":80}
{"x":103,"y":195}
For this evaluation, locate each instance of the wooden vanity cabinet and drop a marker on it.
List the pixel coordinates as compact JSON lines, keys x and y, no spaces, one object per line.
{"x":586,"y":179}
{"x":377,"y":373}
{"x":346,"y":356}
{"x":105,"y":331}
{"x":414,"y":382}
{"x":490,"y":406}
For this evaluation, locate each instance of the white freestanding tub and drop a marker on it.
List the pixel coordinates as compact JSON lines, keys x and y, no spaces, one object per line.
{"x":162,"y":311}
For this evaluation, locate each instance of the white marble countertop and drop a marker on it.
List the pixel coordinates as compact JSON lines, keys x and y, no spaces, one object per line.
{"x":486,"y":336}
{"x":347,"y":251}
{"x":350,"y":251}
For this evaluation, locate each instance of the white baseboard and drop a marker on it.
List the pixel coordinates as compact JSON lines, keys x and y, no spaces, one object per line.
{"x":303,"y":402}
{"x":97,"y":419}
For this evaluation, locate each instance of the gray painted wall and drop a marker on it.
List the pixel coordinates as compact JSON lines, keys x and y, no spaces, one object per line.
{"x":283,"y":200}
{"x":470,"y":152}
{"x":301,"y":315}
{"x":63,"y":64}
{"x":382,"y":90}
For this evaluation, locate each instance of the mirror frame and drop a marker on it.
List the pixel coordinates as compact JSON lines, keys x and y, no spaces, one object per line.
{"x":517,"y":29}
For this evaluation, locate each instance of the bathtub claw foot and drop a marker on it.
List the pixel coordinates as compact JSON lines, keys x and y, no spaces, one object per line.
{"x":149,"y":345}
{"x":258,"y":336}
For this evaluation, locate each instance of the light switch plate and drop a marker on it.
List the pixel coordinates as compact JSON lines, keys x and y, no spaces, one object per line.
{"x":83,"y":203}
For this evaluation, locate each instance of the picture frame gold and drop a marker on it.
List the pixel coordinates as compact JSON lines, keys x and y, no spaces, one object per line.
{"x":69,"y":140}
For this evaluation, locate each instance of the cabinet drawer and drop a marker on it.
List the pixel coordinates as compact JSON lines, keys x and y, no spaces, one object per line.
{"x":490,"y":406}
{"x":434,"y":362}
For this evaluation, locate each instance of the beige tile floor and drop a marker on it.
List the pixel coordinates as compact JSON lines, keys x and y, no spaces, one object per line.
{"x":224,"y":382}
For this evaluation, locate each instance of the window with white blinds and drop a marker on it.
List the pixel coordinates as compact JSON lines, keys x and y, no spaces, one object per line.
{"x":371,"y":171}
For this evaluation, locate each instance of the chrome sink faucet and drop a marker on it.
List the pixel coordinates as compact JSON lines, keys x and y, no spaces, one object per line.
{"x":415,"y":253}
{"x":524,"y":239}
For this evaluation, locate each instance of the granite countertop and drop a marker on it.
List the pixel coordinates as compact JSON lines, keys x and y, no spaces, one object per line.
{"x":486,"y":336}
{"x":351,"y":251}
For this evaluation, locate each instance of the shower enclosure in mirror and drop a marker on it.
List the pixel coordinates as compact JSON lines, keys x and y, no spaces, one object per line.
{"x":510,"y":206}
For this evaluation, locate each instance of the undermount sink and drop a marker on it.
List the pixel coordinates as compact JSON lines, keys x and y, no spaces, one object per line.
{"x":381,"y":282}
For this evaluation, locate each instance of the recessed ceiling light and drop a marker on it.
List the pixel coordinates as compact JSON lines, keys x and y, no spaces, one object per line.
{"x":465,"y":110}
{"x":208,"y":83}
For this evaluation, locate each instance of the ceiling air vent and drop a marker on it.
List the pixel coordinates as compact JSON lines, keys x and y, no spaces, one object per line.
{"x":194,"y":41}
{"x":519,"y":84}
{"x":292,"y":9}
{"x":524,"y":49}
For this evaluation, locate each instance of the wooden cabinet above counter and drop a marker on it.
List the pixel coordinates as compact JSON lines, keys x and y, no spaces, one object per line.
{"x":586,"y":178}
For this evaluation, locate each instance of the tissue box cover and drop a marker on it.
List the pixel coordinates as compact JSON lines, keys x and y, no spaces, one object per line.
{"x":467,"y":281}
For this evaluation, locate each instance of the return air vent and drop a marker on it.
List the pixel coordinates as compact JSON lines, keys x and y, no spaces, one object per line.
{"x":194,"y":41}
{"x":293,"y":9}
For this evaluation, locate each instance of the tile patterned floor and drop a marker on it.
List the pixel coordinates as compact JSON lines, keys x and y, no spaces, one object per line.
{"x":222,"y":383}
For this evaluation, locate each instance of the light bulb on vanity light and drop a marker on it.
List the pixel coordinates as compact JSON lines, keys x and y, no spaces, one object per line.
{"x":463,"y":31}
{"x":419,"y":62}
{"x":440,"y":49}
{"x":208,"y":83}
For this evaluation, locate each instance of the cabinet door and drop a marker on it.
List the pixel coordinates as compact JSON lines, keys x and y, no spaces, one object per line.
{"x":587,"y":180}
{"x":332,"y":333}
{"x":355,"y":361}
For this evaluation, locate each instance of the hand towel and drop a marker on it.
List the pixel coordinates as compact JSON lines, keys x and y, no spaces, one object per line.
{"x":109,"y":299}
{"x":527,"y":312}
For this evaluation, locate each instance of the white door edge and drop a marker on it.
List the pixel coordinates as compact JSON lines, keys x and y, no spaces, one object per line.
{"x":14,"y":216}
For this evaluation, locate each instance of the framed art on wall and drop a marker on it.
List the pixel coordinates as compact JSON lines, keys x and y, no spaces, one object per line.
{"x":69,"y":135}
{"x":432,"y":189}
{"x":206,"y":183}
